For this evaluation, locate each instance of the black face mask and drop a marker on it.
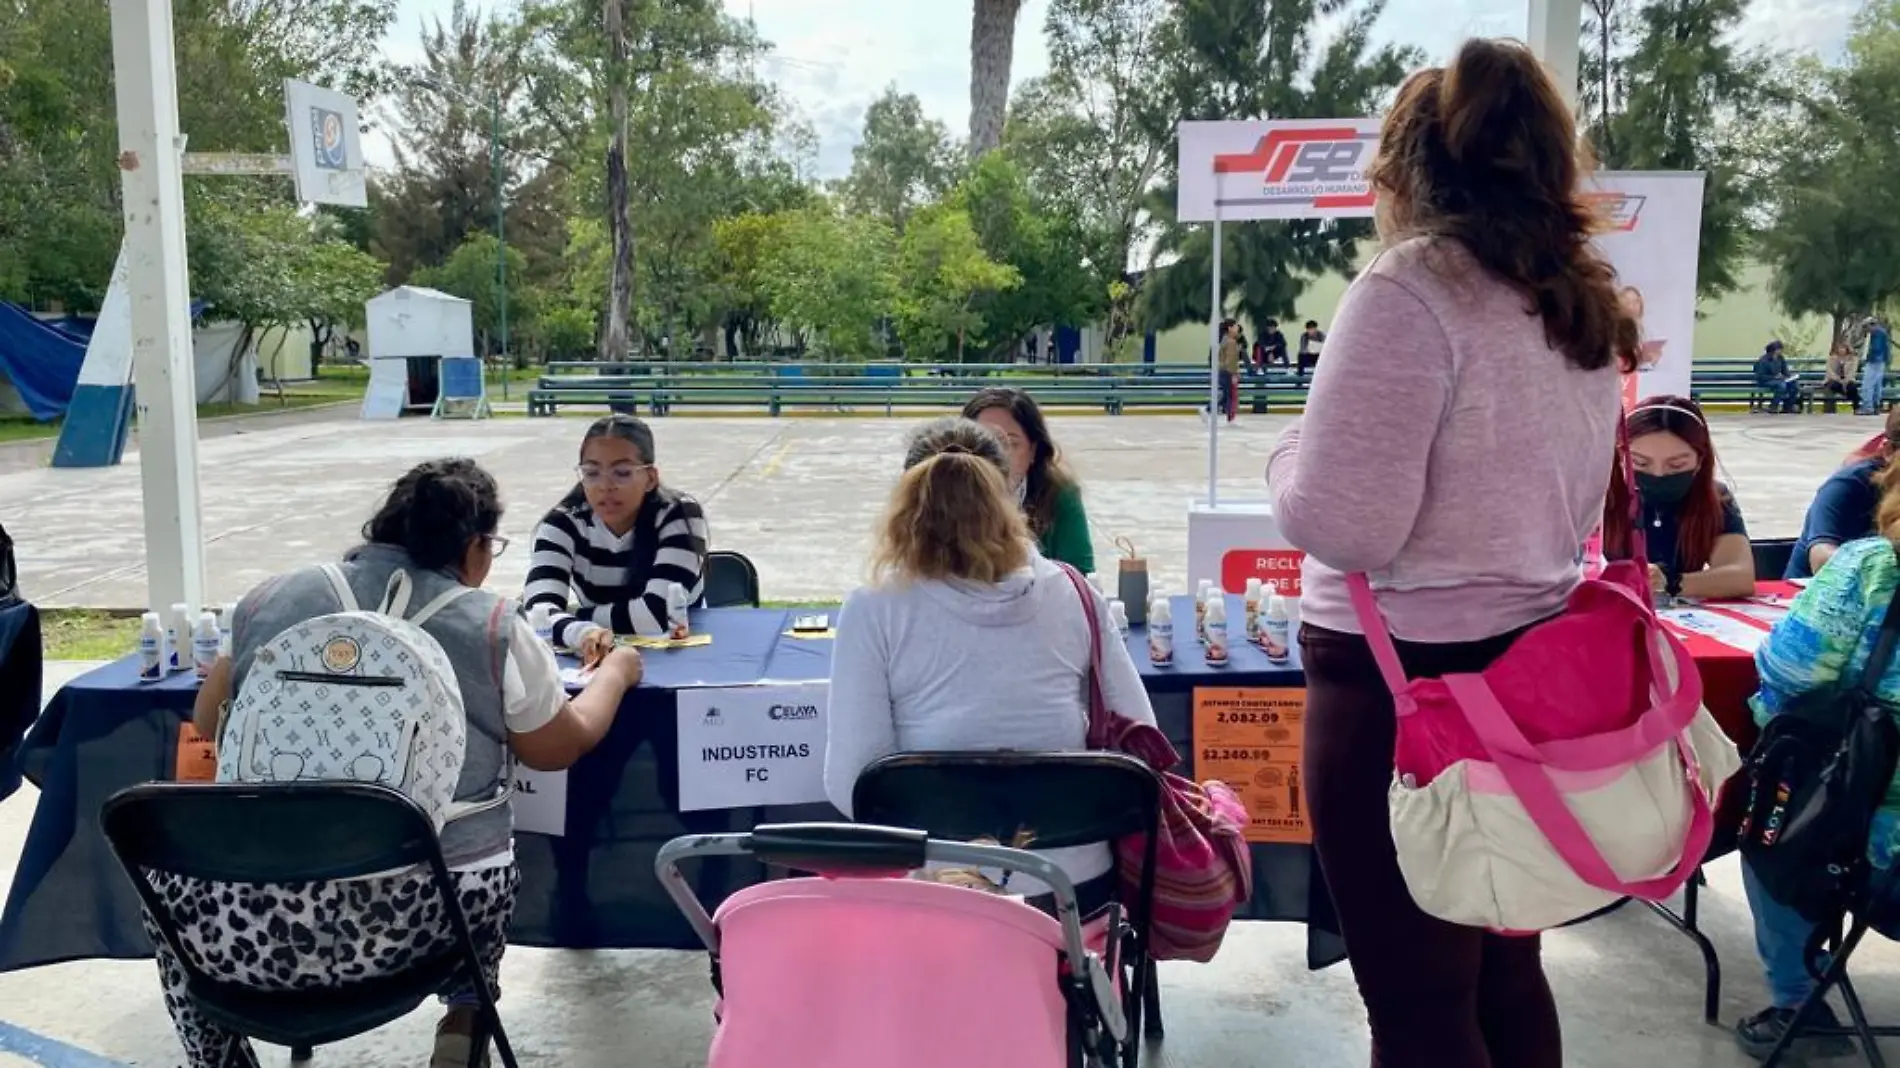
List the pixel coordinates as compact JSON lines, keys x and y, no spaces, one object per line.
{"x":1664,"y":489}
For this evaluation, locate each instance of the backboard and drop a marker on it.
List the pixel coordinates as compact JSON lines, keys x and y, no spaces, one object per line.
{"x":326,"y":147}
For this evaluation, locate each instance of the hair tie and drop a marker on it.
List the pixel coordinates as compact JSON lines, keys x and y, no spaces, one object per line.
{"x":953,"y":449}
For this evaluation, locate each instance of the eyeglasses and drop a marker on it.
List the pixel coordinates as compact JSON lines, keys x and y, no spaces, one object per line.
{"x":497,"y":544}
{"x":619,"y":476}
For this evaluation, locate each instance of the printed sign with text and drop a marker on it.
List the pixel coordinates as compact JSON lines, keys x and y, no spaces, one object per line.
{"x":197,"y":757}
{"x":746,"y":746}
{"x":540,"y":801}
{"x":1273,"y":567}
{"x":1250,"y":739}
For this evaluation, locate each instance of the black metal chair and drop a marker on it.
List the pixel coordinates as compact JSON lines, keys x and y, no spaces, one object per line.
{"x":731,"y":582}
{"x":289,"y":833}
{"x":1831,"y":974}
{"x":1771,"y":557}
{"x":1056,"y":800}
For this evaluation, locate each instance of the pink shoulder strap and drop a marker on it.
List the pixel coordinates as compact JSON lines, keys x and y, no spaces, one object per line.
{"x":1099,"y":727}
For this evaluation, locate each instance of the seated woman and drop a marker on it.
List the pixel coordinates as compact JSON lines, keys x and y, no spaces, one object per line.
{"x":967,"y":638}
{"x":438,"y":524}
{"x":615,"y":543}
{"x":1821,"y":645}
{"x":1050,"y":497}
{"x":1842,"y":368}
{"x":1843,"y":508}
{"x":1692,"y":527}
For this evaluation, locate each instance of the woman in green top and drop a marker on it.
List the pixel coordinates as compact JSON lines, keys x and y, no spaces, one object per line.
{"x":1049,"y":494}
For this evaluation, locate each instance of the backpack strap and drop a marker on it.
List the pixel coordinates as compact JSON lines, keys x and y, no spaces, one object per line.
{"x":341,"y":586}
{"x":396,"y":595}
{"x":1884,"y":641}
{"x":448,"y":597}
{"x":1366,"y":607}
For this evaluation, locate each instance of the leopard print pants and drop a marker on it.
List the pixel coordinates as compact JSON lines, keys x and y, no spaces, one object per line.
{"x":300,"y":936}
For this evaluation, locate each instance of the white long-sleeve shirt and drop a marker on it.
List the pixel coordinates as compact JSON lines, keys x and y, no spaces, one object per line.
{"x":936,"y":666}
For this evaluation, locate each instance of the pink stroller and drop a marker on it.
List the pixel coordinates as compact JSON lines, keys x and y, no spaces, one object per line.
{"x":863,"y":968}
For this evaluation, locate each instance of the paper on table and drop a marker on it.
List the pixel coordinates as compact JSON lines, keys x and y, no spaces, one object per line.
{"x":576,"y":676}
{"x":641,"y":641}
{"x":1725,"y":629}
{"x":825,"y":635}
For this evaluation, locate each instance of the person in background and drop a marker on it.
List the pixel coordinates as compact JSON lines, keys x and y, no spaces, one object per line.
{"x":1693,"y":532}
{"x":1231,"y":346}
{"x":1772,"y":376}
{"x":1823,"y":642}
{"x":1452,"y":450}
{"x":967,"y":638}
{"x":1843,"y":508}
{"x":1841,"y":365}
{"x":1873,"y":383}
{"x":438,"y":524}
{"x":1044,"y":487}
{"x":1276,"y":343}
{"x":616,"y":543}
{"x":1312,"y":339}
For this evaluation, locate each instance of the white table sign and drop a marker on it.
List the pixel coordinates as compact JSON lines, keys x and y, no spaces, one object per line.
{"x":746,"y":746}
{"x":540,"y":801}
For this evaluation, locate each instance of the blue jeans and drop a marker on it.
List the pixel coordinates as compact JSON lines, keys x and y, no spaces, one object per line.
{"x":1781,"y":940}
{"x":1873,"y":380}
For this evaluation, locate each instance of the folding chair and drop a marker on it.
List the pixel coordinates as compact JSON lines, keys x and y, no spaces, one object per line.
{"x":731,"y":582}
{"x":290,"y":833}
{"x":1059,"y":799}
{"x":1840,"y":949}
{"x":1771,"y":557}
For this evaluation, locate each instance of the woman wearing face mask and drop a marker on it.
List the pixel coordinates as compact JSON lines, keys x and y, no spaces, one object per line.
{"x":616,"y":543}
{"x":1050,"y":497}
{"x":1692,"y":527}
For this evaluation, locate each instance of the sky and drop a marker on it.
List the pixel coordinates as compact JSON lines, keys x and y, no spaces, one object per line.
{"x":833,"y":57}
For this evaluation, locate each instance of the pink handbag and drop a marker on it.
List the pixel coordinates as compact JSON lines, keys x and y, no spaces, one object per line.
{"x":1578,"y":769}
{"x":1203,"y":866}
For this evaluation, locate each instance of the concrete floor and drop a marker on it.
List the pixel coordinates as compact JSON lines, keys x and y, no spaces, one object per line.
{"x":799,"y":496}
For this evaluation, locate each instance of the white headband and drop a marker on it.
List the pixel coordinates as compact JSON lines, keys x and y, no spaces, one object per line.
{"x":1690,"y":412}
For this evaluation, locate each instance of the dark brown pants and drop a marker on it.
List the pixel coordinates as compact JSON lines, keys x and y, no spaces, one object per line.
{"x":1438,"y":995}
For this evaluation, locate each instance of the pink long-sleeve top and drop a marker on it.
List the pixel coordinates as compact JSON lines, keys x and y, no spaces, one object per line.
{"x":1448,"y":451}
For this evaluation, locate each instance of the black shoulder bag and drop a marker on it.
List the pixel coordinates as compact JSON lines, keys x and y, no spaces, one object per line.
{"x":1815,"y":780}
{"x":9,"y":572}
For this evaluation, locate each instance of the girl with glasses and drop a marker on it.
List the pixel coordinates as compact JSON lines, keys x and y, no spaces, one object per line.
{"x":615,"y":543}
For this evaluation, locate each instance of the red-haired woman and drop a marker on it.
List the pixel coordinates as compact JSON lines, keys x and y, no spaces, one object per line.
{"x":1692,"y":528}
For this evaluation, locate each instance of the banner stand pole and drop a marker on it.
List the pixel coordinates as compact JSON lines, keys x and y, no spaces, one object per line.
{"x":1214,"y":414}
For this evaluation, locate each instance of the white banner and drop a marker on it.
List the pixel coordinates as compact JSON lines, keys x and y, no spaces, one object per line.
{"x":1281,"y":169}
{"x":540,"y":801}
{"x":746,"y":746}
{"x":1658,"y":231}
{"x":326,"y":146}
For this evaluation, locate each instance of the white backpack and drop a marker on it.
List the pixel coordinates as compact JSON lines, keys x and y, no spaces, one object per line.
{"x":356,"y":697}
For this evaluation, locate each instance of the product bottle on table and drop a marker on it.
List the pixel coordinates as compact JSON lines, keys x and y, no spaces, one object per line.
{"x":678,"y":625}
{"x":1216,"y":620}
{"x":1160,"y":632}
{"x":206,"y":642}
{"x":1118,"y":617}
{"x":1275,"y":629}
{"x":153,"y":656}
{"x":178,"y":638}
{"x":1253,"y":610}
{"x":1200,"y":609}
{"x":541,"y":619}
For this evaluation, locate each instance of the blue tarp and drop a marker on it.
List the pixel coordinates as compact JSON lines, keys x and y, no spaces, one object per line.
{"x":41,"y":361}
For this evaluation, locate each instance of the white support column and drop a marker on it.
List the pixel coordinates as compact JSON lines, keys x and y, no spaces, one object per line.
{"x":151,"y":167}
{"x":1556,"y":31}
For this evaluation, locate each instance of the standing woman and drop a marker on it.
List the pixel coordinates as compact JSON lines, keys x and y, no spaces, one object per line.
{"x":615,"y":544}
{"x":1693,"y":532}
{"x":1460,"y":467}
{"x":1050,"y":497}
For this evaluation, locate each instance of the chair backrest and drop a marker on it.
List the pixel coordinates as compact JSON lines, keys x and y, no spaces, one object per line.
{"x":731,"y":581}
{"x":268,"y":832}
{"x":1772,"y":556}
{"x":1057,"y":799}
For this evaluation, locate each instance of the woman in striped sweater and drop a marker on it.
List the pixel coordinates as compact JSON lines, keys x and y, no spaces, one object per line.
{"x":616,"y":543}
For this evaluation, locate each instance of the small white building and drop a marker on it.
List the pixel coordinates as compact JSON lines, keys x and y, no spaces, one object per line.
{"x":410,"y":329}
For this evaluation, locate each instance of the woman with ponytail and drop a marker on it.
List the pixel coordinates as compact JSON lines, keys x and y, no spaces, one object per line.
{"x":967,"y":638}
{"x":1453,"y":450}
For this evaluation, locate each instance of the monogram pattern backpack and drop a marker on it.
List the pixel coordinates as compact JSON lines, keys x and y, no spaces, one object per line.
{"x":355,"y":696}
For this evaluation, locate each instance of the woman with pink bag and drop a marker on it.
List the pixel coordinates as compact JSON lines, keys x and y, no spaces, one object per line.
{"x":1454,"y":449}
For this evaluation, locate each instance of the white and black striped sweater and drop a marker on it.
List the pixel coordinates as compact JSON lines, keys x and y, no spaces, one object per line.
{"x":618,"y":582}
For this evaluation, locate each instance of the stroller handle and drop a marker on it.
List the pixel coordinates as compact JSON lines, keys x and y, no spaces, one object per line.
{"x":852,"y":849}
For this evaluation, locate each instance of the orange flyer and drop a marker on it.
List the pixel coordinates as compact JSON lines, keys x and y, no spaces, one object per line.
{"x":1250,"y":739}
{"x":197,"y":759}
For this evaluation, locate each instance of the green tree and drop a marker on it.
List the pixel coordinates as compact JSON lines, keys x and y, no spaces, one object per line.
{"x":744,"y":244}
{"x":1044,"y":246}
{"x":1234,"y":59}
{"x":469,"y":273}
{"x":942,"y":272}
{"x":1687,"y":93}
{"x":833,"y":280}
{"x":902,"y":162}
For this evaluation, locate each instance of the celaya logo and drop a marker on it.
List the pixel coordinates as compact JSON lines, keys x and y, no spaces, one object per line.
{"x":1621,"y":209}
{"x":713,"y":718}
{"x":1324,"y":168}
{"x":792,"y":712}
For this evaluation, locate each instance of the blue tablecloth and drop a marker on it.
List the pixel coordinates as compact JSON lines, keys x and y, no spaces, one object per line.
{"x":593,"y":887}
